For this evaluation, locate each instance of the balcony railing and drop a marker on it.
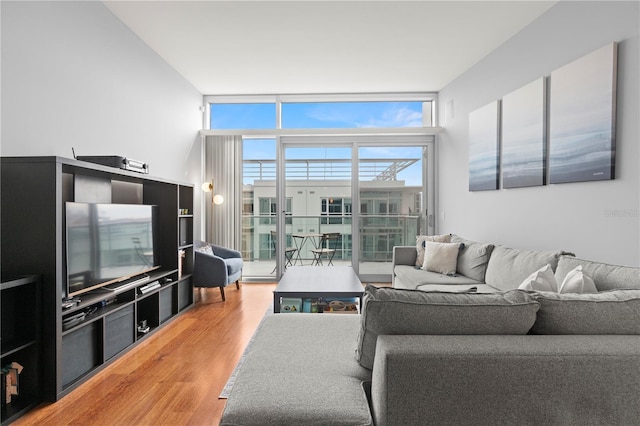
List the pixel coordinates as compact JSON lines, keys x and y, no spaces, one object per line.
{"x":378,"y":234}
{"x":385,"y":169}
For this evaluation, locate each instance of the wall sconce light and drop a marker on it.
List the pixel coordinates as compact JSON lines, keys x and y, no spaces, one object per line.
{"x":208,"y":187}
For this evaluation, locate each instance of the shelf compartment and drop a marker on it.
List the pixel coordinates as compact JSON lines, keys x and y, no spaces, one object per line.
{"x":186,"y":230}
{"x":80,"y":352}
{"x":119,"y":331}
{"x":185,"y":293}
{"x":27,"y":356}
{"x":148,"y":309}
{"x":19,"y":322}
{"x":166,"y":303}
{"x":18,"y":406}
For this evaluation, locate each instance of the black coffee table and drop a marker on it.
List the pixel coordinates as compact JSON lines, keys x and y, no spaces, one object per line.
{"x":312,"y":282}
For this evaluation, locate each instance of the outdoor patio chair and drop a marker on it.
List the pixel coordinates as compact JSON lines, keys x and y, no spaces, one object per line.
{"x":289,"y":252}
{"x":327,"y":247}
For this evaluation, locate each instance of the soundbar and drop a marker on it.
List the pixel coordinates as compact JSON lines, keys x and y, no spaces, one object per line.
{"x":123,"y":285}
{"x":117,"y":162}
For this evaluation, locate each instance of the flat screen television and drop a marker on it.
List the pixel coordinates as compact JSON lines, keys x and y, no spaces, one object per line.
{"x":108,"y":243}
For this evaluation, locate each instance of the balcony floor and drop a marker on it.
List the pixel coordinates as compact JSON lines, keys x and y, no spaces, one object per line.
{"x":260,"y":271}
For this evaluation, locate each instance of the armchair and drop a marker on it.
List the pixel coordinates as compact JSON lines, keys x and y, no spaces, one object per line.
{"x":216,"y":266}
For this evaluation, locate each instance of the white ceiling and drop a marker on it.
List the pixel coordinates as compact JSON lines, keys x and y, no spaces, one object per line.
{"x":289,"y":47}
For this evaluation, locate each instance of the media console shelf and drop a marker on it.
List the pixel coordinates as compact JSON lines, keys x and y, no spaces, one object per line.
{"x":77,"y":342}
{"x":106,"y":323}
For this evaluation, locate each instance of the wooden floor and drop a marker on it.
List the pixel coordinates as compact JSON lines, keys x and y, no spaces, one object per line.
{"x":174,"y":377}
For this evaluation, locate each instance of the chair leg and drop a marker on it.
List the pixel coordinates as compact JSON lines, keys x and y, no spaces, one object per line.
{"x":222,"y":293}
{"x":238,"y":284}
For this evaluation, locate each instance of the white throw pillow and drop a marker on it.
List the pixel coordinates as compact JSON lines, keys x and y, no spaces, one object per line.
{"x":441,"y":257}
{"x":577,"y":281}
{"x":541,"y":280}
{"x":420,"y":240}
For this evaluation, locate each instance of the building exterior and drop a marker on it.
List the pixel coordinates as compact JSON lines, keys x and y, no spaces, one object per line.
{"x":389,"y":214}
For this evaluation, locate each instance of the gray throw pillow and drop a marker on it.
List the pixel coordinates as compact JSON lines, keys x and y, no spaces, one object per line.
{"x":472,"y":258}
{"x":608,"y":312}
{"x":392,"y":311}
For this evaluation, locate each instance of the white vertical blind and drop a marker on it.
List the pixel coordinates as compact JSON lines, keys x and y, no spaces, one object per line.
{"x":224,"y":169}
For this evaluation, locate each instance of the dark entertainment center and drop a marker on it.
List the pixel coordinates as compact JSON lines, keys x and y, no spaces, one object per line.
{"x":62,"y":341}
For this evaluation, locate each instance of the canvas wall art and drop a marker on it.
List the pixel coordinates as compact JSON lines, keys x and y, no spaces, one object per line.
{"x":523,"y":136}
{"x":484,"y":147}
{"x":582,"y":118}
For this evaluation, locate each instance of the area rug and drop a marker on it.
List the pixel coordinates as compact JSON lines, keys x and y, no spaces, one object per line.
{"x":232,"y":379}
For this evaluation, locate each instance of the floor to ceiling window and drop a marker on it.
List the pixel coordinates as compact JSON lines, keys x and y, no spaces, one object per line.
{"x":301,"y":181}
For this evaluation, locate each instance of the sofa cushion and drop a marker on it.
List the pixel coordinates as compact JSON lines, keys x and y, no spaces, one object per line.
{"x":420,"y":245}
{"x":506,"y":380}
{"x":300,"y":370}
{"x":390,"y":311}
{"x":609,"y":312}
{"x":604,"y":275}
{"x":410,"y":277}
{"x":508,"y":267}
{"x":234,"y":264}
{"x":472,"y":258}
{"x":440,"y":257}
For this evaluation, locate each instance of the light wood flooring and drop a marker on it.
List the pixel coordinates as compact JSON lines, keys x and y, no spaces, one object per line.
{"x":176,"y":375}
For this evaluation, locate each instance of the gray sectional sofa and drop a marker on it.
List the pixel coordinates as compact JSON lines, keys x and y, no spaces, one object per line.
{"x":483,"y":357}
{"x":483,"y":267}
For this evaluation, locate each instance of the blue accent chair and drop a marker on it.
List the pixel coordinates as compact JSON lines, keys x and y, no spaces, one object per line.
{"x":216,"y":266}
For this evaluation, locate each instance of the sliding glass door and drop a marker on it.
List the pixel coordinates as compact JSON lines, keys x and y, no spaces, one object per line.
{"x":317,"y":184}
{"x":297,"y":190}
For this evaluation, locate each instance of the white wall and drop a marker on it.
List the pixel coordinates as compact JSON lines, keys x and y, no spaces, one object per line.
{"x":596,"y":220}
{"x":73,"y":75}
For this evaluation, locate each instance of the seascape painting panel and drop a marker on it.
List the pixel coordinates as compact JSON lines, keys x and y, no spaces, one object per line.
{"x":582,"y":118}
{"x":523,"y":136}
{"x":483,"y":148}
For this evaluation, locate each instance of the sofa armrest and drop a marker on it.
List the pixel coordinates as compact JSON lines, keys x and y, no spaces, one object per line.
{"x":209,"y":271}
{"x":506,"y":380}
{"x":404,"y":255}
{"x":224,"y":252}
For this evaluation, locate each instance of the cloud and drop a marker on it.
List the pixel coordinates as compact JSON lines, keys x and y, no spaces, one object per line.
{"x":402,"y":117}
{"x":367,"y":114}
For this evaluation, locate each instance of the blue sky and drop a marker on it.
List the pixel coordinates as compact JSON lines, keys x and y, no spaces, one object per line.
{"x":314,"y":115}
{"x":351,"y":115}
